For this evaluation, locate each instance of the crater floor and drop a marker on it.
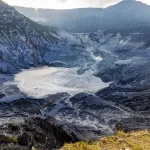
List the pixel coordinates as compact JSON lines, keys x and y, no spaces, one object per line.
{"x":50,"y":80}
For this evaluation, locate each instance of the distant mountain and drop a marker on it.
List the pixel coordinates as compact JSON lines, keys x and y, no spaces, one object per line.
{"x":128,"y":13}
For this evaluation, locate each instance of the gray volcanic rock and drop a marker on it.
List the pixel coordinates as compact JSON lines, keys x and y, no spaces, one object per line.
{"x":89,"y":112}
{"x":41,"y":133}
{"x":26,"y":44}
{"x":28,"y":106}
{"x":133,"y":99}
{"x":134,"y":123}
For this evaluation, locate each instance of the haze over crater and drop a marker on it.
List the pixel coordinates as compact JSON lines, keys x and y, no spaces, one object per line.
{"x":66,"y":4}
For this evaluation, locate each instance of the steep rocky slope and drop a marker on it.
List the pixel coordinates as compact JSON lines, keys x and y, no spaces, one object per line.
{"x":25,"y":44}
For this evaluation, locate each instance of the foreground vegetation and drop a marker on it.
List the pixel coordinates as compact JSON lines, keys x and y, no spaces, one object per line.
{"x":139,"y":140}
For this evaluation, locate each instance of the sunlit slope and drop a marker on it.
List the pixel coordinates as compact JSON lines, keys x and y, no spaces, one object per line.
{"x":139,"y":140}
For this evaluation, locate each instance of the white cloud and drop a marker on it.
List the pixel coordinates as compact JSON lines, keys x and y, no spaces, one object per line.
{"x":65,"y":4}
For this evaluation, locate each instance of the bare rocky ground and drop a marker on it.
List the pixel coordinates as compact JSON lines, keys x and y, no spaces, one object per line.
{"x":35,"y":132}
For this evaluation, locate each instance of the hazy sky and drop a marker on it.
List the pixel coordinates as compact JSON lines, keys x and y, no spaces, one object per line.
{"x":65,"y":4}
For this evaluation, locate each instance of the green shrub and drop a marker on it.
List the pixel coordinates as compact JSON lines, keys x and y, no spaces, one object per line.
{"x":13,"y":139}
{"x":121,"y":133}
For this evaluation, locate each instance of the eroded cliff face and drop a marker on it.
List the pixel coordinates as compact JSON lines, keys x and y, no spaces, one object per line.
{"x":25,"y":44}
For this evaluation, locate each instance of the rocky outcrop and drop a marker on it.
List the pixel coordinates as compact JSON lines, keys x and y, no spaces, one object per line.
{"x":42,"y":134}
{"x":134,"y":123}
